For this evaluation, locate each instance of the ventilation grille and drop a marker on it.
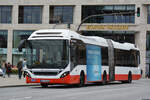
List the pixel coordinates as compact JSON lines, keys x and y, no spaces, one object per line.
{"x":44,"y":36}
{"x":46,"y":73}
{"x":48,"y":33}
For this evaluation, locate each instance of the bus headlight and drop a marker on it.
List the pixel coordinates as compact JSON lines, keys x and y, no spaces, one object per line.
{"x":64,"y":74}
{"x":27,"y":74}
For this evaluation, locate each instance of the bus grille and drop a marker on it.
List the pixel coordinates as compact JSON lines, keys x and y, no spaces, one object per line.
{"x":46,"y":73}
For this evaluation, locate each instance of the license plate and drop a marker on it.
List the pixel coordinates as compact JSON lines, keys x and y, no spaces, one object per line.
{"x":33,"y":80}
{"x":45,"y":81}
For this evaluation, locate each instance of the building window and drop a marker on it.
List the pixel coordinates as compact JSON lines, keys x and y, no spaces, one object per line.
{"x":19,"y":35}
{"x":148,"y":18}
{"x":30,"y":14}
{"x":61,"y":14}
{"x":148,"y":41}
{"x":5,"y":14}
{"x":108,"y":10}
{"x":3,"y":45}
{"x":148,"y":52}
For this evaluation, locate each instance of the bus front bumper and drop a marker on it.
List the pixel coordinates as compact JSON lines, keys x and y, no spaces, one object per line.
{"x":69,"y":79}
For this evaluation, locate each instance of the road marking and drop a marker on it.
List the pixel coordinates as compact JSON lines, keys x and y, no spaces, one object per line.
{"x":22,"y":98}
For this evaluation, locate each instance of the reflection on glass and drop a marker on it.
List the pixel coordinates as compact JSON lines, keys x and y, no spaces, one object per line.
{"x":123,"y":18}
{"x":30,"y":14}
{"x":148,"y":18}
{"x":3,"y":45}
{"x":47,"y":54}
{"x":5,"y":14}
{"x":61,"y":14}
{"x":19,"y":35}
{"x":148,"y":41}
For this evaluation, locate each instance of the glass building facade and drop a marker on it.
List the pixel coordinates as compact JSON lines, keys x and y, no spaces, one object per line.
{"x":61,"y":14}
{"x":148,"y":41}
{"x":109,"y":9}
{"x":148,"y":53}
{"x":5,"y":14}
{"x":19,"y":35}
{"x":30,"y":14}
{"x":119,"y":36}
{"x":148,"y":16}
{"x":3,"y":45}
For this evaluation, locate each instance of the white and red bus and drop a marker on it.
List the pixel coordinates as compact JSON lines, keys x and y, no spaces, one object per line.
{"x":61,"y":56}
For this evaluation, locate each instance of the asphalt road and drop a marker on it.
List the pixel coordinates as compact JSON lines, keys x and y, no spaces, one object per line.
{"x":138,"y":90}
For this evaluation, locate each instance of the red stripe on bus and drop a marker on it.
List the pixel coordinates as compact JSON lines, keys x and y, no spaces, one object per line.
{"x":125,"y":77}
{"x":74,"y":79}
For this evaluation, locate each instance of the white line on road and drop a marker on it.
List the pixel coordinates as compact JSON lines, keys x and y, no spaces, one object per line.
{"x":22,"y":98}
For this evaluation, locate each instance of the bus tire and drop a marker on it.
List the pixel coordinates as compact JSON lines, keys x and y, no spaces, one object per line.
{"x":82,"y":79}
{"x":44,"y":85}
{"x":104,"y":78}
{"x":129,"y":77}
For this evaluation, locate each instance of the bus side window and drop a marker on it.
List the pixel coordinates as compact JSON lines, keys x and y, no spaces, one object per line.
{"x":81,"y":54}
{"x":127,"y":58}
{"x":73,"y":51}
{"x":78,"y":53}
{"x":138,"y":57}
{"x":104,"y":53}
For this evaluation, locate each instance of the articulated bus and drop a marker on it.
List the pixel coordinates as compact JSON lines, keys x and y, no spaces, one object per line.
{"x":61,"y":56}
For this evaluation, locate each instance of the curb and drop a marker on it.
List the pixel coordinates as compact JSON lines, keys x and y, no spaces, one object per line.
{"x":24,"y":85}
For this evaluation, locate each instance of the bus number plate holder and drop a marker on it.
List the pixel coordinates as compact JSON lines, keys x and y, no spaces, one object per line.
{"x":45,"y":81}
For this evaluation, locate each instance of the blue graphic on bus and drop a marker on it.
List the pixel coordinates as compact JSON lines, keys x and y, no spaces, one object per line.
{"x":93,"y":55}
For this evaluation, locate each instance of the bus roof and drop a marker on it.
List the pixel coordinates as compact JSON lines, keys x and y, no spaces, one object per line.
{"x":68,"y":34}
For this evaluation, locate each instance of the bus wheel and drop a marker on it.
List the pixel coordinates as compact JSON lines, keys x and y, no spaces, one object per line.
{"x":104,"y":78}
{"x":44,"y":85}
{"x":81,"y":79}
{"x":130,"y":77}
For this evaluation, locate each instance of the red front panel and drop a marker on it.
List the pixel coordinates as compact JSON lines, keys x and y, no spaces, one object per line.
{"x":74,"y":79}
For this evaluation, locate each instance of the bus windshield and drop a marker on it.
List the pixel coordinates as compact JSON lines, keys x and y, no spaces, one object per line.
{"x":47,"y":54}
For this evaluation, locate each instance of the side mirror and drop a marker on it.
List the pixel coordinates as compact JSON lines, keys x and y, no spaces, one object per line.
{"x":21,"y":44}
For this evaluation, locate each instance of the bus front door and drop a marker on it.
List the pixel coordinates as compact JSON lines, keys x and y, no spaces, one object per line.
{"x":93,"y":54}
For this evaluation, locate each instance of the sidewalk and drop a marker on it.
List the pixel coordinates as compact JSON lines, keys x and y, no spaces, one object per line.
{"x":13,"y":81}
